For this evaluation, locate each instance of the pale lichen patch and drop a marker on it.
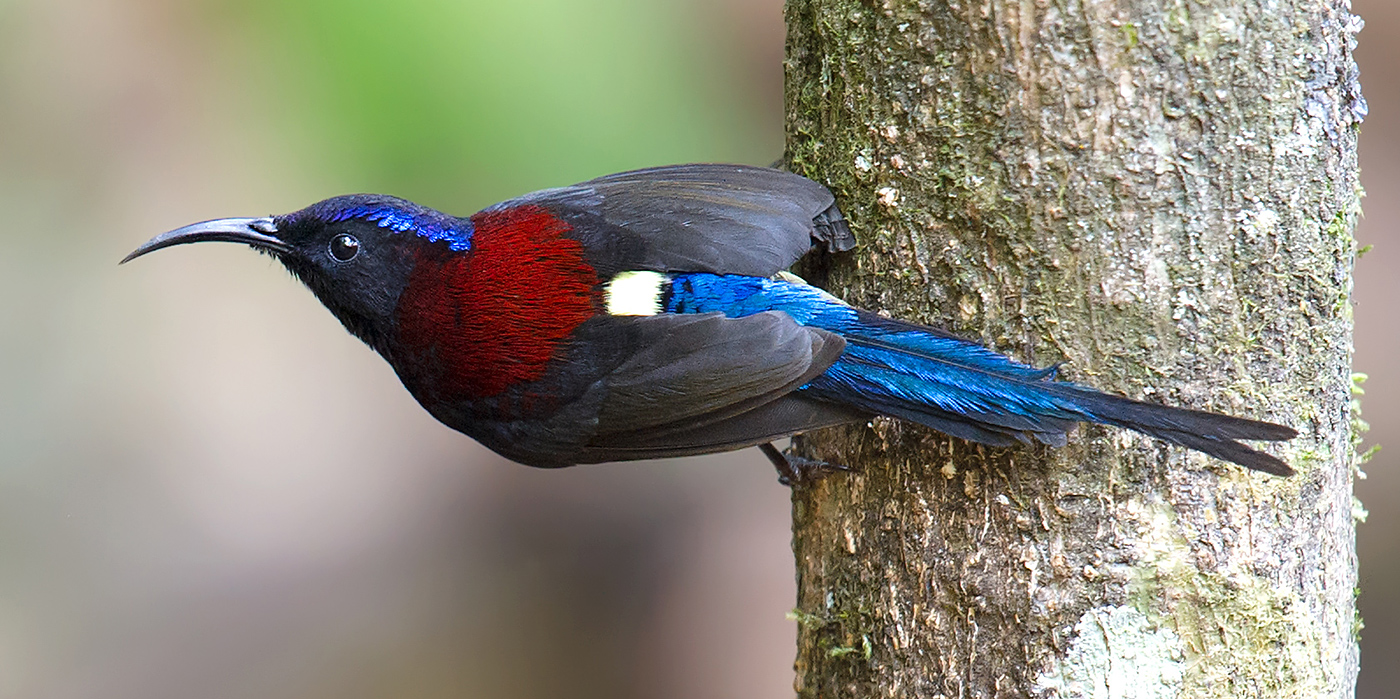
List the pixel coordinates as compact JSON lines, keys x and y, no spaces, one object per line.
{"x":1117,"y":653}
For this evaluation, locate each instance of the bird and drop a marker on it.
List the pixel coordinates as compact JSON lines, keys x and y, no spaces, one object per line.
{"x":650,"y":314}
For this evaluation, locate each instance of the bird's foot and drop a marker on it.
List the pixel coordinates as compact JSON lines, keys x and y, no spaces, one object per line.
{"x":794,"y":471}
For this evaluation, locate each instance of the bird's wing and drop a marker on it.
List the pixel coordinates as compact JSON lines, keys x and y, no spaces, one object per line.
{"x":724,"y":219}
{"x":784,"y":417}
{"x":700,"y":383}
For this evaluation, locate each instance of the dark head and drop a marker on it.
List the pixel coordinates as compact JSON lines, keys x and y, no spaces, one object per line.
{"x":354,"y":252}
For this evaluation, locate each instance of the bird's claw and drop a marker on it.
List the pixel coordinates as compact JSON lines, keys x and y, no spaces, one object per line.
{"x":794,"y":471}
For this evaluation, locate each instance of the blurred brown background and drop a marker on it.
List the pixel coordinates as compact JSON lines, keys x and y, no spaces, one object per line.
{"x":208,"y":489}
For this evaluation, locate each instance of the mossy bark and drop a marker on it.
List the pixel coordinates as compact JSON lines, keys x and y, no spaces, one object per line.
{"x":1161,"y":195}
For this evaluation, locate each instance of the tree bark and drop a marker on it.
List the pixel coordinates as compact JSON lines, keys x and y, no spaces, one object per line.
{"x":1161,"y":194}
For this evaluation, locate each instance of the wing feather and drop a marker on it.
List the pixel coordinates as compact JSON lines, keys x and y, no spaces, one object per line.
{"x":783,"y":417}
{"x":694,"y":369}
{"x":724,"y":219}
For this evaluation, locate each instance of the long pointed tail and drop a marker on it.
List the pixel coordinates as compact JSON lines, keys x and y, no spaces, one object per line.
{"x":961,"y":388}
{"x":925,"y":375}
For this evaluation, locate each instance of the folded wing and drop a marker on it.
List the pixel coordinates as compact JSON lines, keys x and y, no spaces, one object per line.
{"x":724,"y":219}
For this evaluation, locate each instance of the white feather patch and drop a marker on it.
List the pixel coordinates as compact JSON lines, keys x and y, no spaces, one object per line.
{"x":634,"y":293}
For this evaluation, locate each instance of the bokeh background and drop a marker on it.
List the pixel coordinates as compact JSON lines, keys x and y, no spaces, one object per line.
{"x":208,"y":489}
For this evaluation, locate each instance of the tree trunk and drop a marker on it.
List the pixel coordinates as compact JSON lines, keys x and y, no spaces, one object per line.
{"x":1161,"y":194}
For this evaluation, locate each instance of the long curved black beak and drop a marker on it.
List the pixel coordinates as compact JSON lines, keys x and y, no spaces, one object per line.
{"x":257,"y":232}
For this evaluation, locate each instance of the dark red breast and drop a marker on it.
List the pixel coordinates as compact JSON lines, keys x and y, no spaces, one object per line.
{"x":476,"y":323}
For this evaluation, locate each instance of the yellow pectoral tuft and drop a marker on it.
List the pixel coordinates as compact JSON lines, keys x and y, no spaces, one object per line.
{"x":634,"y":293}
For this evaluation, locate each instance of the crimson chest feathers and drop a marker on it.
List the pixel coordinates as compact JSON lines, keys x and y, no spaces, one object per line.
{"x":471,"y":324}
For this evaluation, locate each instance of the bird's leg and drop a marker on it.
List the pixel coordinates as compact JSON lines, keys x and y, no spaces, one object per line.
{"x":795,"y":471}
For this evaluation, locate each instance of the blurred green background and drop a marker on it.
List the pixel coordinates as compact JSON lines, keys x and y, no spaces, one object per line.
{"x":208,"y":489}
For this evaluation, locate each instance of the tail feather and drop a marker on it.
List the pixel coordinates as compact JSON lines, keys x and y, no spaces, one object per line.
{"x":965,"y":390}
{"x":840,"y":386}
{"x":1142,"y":416}
{"x":1226,"y":449}
{"x":891,"y":383}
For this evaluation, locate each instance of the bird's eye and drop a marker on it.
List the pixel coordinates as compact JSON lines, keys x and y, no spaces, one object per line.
{"x":344,"y":247}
